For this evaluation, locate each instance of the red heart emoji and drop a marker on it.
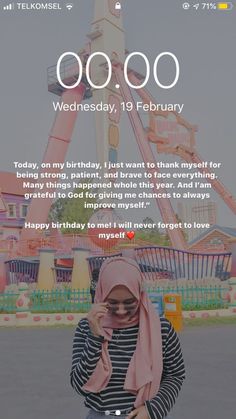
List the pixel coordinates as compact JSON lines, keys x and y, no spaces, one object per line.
{"x":130,"y":234}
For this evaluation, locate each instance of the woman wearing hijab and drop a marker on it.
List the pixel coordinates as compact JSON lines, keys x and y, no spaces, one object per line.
{"x":127,"y":362}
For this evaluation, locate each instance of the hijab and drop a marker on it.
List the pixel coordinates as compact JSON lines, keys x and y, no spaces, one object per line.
{"x":144,"y":372}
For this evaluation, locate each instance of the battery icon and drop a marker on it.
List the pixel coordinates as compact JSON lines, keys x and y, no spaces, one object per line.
{"x":224,"y":6}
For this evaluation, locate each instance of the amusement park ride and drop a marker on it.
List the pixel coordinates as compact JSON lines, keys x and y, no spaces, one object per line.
{"x":107,"y":35}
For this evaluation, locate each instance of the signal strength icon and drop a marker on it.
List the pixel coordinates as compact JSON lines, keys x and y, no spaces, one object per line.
{"x":9,"y":6}
{"x":69,"y":6}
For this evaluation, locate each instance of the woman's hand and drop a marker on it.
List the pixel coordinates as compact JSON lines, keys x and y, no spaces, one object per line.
{"x":94,"y":317}
{"x":139,"y":413}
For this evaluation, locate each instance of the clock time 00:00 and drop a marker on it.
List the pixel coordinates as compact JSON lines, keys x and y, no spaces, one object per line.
{"x":125,"y":69}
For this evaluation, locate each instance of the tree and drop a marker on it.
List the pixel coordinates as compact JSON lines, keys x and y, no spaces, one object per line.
{"x":153,"y":236}
{"x":71,"y":210}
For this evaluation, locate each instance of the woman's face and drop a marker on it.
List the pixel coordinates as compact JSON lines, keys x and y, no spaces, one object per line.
{"x":121,"y":303}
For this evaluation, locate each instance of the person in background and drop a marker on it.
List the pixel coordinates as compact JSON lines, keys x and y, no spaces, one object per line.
{"x":93,"y":285}
{"x":127,"y":362}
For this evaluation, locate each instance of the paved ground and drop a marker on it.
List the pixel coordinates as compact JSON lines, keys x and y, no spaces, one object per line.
{"x":35,"y":365}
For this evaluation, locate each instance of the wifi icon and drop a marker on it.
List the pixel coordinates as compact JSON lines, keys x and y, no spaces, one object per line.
{"x":69,"y":6}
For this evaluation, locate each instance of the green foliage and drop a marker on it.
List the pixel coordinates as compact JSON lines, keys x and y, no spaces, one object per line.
{"x":71,"y":210}
{"x":184,"y":232}
{"x":8,"y":302}
{"x":210,"y":321}
{"x":68,"y":300}
{"x":63,"y":301}
{"x":153,"y":235}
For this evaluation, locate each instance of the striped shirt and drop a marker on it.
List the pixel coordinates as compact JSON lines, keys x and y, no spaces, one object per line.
{"x":87,"y":351}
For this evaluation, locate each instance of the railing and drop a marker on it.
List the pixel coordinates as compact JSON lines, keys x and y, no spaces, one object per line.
{"x":61,"y":301}
{"x":158,"y":262}
{"x":163,"y":262}
{"x":67,"y":300}
{"x":155,"y":263}
{"x":21,"y":271}
{"x":63,"y":275}
{"x":69,"y":68}
{"x":95,"y":262}
{"x":196,"y":297}
{"x":27,"y":271}
{"x":56,"y":301}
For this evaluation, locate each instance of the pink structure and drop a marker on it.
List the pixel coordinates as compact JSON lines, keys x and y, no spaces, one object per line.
{"x":56,"y":151}
{"x":233,"y":265}
{"x":166,"y":210}
{"x":13,"y":208}
{"x":3,"y":280}
{"x":106,"y":34}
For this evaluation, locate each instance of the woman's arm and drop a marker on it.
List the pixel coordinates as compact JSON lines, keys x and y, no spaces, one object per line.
{"x":86,"y":353}
{"x":173,"y":374}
